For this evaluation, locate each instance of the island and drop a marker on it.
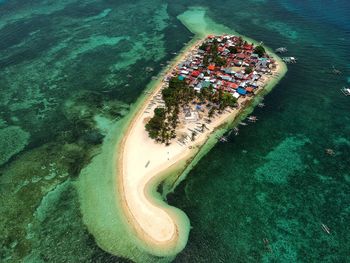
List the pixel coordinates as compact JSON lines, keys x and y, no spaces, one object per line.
{"x":211,"y":85}
{"x":212,"y":82}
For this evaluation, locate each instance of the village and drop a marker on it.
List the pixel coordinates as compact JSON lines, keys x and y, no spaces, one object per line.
{"x":221,"y":68}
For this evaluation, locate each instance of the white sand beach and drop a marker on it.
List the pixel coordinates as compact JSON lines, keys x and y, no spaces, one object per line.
{"x":142,"y":159}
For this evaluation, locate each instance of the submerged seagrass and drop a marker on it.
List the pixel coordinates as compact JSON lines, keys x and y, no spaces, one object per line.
{"x":70,"y":68}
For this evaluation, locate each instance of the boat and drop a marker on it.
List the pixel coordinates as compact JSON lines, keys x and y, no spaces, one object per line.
{"x":330,"y":152}
{"x":336,"y":71}
{"x":266,"y":241}
{"x":326,"y":229}
{"x":223,"y":139}
{"x":243,"y":124}
{"x":261,"y":105}
{"x":281,"y":50}
{"x":290,"y":60}
{"x":346,"y":91}
{"x":236,"y":131}
{"x":147,"y":164}
{"x":252,"y":118}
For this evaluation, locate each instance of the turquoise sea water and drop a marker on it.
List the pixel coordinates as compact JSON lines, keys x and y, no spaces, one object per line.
{"x":64,"y":62}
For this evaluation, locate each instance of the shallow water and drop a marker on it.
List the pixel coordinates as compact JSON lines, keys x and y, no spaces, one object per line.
{"x":65,"y":62}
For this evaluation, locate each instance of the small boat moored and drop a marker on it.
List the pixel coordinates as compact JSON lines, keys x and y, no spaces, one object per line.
{"x":330,"y":152}
{"x":223,"y":139}
{"x":252,"y":118}
{"x":346,"y":91}
{"x":290,"y":60}
{"x":281,"y":50}
{"x":326,"y":229}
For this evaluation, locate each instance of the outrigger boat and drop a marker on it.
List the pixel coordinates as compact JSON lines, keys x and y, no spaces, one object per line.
{"x":330,"y":152}
{"x":346,"y":91}
{"x":243,"y":123}
{"x":291,"y":60}
{"x":267,"y":244}
{"x":336,"y":71}
{"x":261,"y":105}
{"x":326,"y":229}
{"x":281,"y":50}
{"x":223,"y":139}
{"x":252,"y":118}
{"x":236,"y":131}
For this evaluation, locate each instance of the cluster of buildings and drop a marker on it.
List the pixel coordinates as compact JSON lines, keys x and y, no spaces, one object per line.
{"x":241,"y":73}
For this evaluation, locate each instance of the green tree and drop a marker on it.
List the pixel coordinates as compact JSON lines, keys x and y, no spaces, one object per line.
{"x":232,"y":50}
{"x":204,"y":46}
{"x":156,"y":124}
{"x":248,"y":70}
{"x":211,"y":112}
{"x":260,"y":50}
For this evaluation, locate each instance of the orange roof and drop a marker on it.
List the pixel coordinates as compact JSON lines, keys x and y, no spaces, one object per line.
{"x":211,"y":67}
{"x":249,"y":89}
{"x":234,"y":85}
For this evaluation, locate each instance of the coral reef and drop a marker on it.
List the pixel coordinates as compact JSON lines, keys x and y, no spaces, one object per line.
{"x":12,"y":140}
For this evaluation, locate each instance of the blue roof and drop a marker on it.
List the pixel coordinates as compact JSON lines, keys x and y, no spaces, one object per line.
{"x":181,"y":77}
{"x":205,"y":84}
{"x":241,"y":91}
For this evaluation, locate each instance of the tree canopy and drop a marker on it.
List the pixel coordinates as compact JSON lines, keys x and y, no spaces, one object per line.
{"x":260,"y":50}
{"x":248,"y":70}
{"x":232,"y":49}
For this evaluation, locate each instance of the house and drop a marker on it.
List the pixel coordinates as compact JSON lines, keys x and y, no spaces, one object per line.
{"x":249,"y":89}
{"x":241,"y":56}
{"x":199,"y":87}
{"x":241,"y":91}
{"x":195,"y":73}
{"x":263,"y":63}
{"x":236,"y":95}
{"x":211,"y":67}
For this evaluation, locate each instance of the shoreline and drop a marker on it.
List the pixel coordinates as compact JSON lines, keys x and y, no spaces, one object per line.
{"x":120,"y":182}
{"x":102,"y":197}
{"x":160,"y":244}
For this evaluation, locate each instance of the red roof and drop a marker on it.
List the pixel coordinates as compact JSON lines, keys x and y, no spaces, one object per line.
{"x":248,"y":47}
{"x":195,"y":73}
{"x":249,"y":89}
{"x":241,"y":56}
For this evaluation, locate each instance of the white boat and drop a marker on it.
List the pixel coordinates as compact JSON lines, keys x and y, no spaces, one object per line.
{"x":326,"y":229}
{"x":281,"y":50}
{"x":346,"y":91}
{"x":252,"y":118}
{"x":223,"y":139}
{"x":290,"y":59}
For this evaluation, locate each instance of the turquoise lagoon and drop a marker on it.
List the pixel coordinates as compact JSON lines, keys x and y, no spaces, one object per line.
{"x":71,"y":69}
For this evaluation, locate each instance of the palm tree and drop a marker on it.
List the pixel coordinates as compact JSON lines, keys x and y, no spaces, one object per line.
{"x":211,"y":112}
{"x":193,"y":136}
